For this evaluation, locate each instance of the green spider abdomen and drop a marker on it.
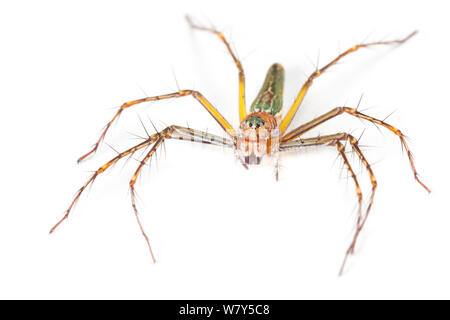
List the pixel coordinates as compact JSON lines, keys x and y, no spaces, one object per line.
{"x":270,"y":97}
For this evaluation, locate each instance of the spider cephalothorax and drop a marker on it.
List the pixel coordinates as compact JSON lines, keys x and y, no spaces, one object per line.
{"x":261,"y":135}
{"x":258,"y":136}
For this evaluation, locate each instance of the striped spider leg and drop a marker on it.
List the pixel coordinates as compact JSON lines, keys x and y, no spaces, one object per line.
{"x":172,"y":132}
{"x":242,"y":108}
{"x":292,"y":111}
{"x":335,"y":140}
{"x":157,"y":139}
{"x":288,"y":142}
{"x":182,"y":93}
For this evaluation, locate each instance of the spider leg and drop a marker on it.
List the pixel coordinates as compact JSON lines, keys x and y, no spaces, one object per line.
{"x":197,"y":95}
{"x":335,"y":140}
{"x":291,"y":113}
{"x":171,"y":132}
{"x":175,"y":132}
{"x":189,"y":134}
{"x":242,"y":108}
{"x":340,"y":110}
{"x":102,"y":169}
{"x":331,"y":140}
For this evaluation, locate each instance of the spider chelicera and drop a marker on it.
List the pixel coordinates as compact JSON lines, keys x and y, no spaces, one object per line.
{"x":261,"y":134}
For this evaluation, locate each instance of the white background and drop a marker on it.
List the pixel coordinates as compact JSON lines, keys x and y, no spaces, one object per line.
{"x":219,"y":231}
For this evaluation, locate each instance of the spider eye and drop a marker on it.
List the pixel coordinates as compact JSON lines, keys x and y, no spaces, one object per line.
{"x":250,"y":124}
{"x":258,"y":125}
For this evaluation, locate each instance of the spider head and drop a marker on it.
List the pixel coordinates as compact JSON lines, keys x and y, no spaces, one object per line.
{"x":258,"y":136}
{"x":254,"y":122}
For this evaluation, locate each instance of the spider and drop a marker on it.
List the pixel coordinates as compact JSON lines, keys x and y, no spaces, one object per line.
{"x":262,"y":132}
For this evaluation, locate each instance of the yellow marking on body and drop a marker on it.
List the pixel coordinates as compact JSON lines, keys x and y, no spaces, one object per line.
{"x":220,"y":119}
{"x":291,"y":113}
{"x":242,"y":108}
